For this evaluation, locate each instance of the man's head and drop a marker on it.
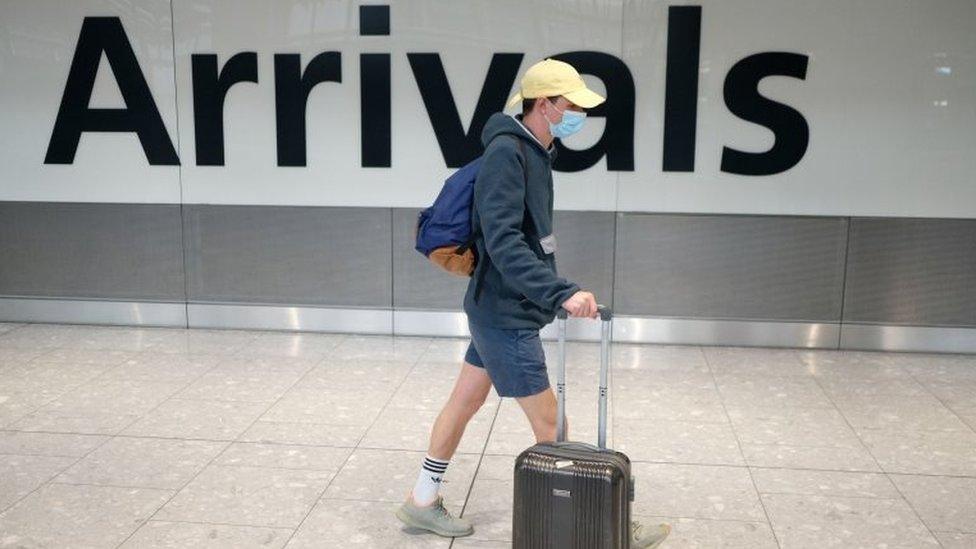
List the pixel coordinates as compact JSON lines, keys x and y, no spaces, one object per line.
{"x":549,"y":89}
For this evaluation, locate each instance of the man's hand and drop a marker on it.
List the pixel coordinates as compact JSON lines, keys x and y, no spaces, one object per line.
{"x":581,"y":304}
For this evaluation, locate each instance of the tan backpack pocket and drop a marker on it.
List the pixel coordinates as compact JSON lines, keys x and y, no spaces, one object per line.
{"x":448,"y":259}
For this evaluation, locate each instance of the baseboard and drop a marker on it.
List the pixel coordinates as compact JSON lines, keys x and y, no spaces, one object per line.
{"x":908,"y":338}
{"x":92,"y":311}
{"x":626,"y":328}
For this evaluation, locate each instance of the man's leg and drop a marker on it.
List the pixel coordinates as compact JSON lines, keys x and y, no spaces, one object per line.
{"x":469,"y":393}
{"x":540,"y":409}
{"x":423,"y":508}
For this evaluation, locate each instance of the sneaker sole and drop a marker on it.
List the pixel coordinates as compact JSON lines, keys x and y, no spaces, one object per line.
{"x":662,"y":540}
{"x":408,"y":520}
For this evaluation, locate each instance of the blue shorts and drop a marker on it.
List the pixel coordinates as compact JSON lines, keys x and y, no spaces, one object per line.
{"x":513,"y":359}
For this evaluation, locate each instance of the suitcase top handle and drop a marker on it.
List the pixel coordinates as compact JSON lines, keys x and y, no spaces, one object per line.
{"x":605,"y":313}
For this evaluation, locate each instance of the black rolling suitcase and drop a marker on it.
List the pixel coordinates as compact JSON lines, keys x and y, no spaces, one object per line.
{"x":572,"y":494}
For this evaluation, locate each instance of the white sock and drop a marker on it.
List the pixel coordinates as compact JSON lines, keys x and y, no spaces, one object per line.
{"x":429,"y":480}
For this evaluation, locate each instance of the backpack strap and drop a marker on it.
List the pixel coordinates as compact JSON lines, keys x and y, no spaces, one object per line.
{"x":480,"y":276}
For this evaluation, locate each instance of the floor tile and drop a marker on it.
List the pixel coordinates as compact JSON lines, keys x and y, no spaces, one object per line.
{"x":58,"y":376}
{"x":162,"y":367}
{"x":853,"y":365}
{"x":242,"y":495}
{"x":291,"y":344}
{"x":285,"y":456}
{"x":335,"y":406}
{"x":663,"y":382}
{"x":263,"y":364}
{"x":677,"y":442}
{"x":20,"y":475}
{"x":446,"y":349}
{"x":792,"y":426}
{"x":125,"y":338}
{"x":389,"y":475}
{"x":939,"y":367}
{"x":757,"y":361}
{"x":658,"y":359}
{"x":955,"y":540}
{"x":954,"y":394}
{"x":923,"y":413}
{"x":773,"y":391}
{"x":68,"y":515}
{"x":823,"y":483}
{"x":468,"y":543}
{"x":844,"y":388}
{"x":405,"y":429}
{"x":830,"y":521}
{"x":944,"y":503}
{"x":688,"y":399}
{"x":490,"y":506}
{"x":122,"y":396}
{"x":418,"y":392}
{"x":260,"y":432}
{"x":314,"y":434}
{"x":142,"y":462}
{"x":331,"y":374}
{"x":345,"y":523}
{"x":39,"y":336}
{"x":11,"y":356}
{"x":161,"y":534}
{"x":199,"y":419}
{"x":923,"y":452}
{"x":382,"y":347}
{"x":830,"y":458}
{"x":252,"y":386}
{"x":696,"y":491}
{"x":91,"y":422}
{"x":48,"y":444}
{"x":512,"y":433}
{"x":198,"y":341}
{"x":691,"y":533}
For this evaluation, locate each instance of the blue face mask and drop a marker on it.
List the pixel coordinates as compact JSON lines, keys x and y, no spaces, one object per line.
{"x":571,"y":123}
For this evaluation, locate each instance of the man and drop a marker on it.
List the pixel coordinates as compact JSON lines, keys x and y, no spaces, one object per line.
{"x":519,"y":290}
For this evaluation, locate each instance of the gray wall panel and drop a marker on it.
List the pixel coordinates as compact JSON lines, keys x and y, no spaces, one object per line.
{"x":730,"y":267}
{"x":585,"y":256}
{"x":418,"y":283}
{"x":901,"y":273}
{"x":91,"y":250}
{"x":289,"y":255}
{"x":912,"y":271}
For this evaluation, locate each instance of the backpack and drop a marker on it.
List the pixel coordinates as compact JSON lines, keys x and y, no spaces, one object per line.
{"x":443,"y":231}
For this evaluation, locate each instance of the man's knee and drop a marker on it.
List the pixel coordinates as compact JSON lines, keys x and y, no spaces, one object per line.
{"x":545,"y":428}
{"x":469,"y":403}
{"x":474,"y":403}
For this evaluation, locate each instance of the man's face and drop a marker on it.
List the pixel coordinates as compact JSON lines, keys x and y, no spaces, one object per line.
{"x":562,"y":104}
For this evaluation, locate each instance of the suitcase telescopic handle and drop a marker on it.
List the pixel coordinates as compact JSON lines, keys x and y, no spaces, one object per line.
{"x":606,"y":316}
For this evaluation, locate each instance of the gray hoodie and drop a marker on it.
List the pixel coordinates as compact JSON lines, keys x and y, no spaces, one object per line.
{"x":520,"y":286}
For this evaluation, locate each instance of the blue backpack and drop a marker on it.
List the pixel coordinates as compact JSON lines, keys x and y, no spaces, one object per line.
{"x":443,"y":231}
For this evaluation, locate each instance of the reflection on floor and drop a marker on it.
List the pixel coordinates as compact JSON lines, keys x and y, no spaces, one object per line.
{"x":136,"y":438}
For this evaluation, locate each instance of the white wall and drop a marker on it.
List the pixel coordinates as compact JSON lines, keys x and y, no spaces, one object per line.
{"x":889,"y":97}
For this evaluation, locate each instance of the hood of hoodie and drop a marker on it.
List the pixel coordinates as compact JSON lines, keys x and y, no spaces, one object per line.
{"x":501,"y":123}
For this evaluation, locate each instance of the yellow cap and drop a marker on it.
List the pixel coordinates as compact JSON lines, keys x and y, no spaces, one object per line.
{"x":550,"y":78}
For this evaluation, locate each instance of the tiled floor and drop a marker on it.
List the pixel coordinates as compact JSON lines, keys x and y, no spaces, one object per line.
{"x":134,"y":438}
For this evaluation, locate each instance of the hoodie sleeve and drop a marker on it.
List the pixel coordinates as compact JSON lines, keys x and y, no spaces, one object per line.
{"x":499,"y":195}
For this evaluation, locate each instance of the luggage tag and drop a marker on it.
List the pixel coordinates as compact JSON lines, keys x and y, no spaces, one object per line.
{"x":548,"y":244}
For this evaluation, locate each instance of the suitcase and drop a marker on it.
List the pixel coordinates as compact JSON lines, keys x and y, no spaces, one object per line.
{"x":572,"y":494}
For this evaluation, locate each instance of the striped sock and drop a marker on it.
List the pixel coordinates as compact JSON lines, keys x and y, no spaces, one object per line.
{"x":429,"y":480}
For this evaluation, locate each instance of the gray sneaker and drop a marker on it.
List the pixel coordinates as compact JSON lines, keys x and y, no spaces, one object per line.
{"x":434,"y":518}
{"x":649,"y":537}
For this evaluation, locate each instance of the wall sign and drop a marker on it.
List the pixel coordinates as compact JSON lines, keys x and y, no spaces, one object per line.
{"x":727,"y":107}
